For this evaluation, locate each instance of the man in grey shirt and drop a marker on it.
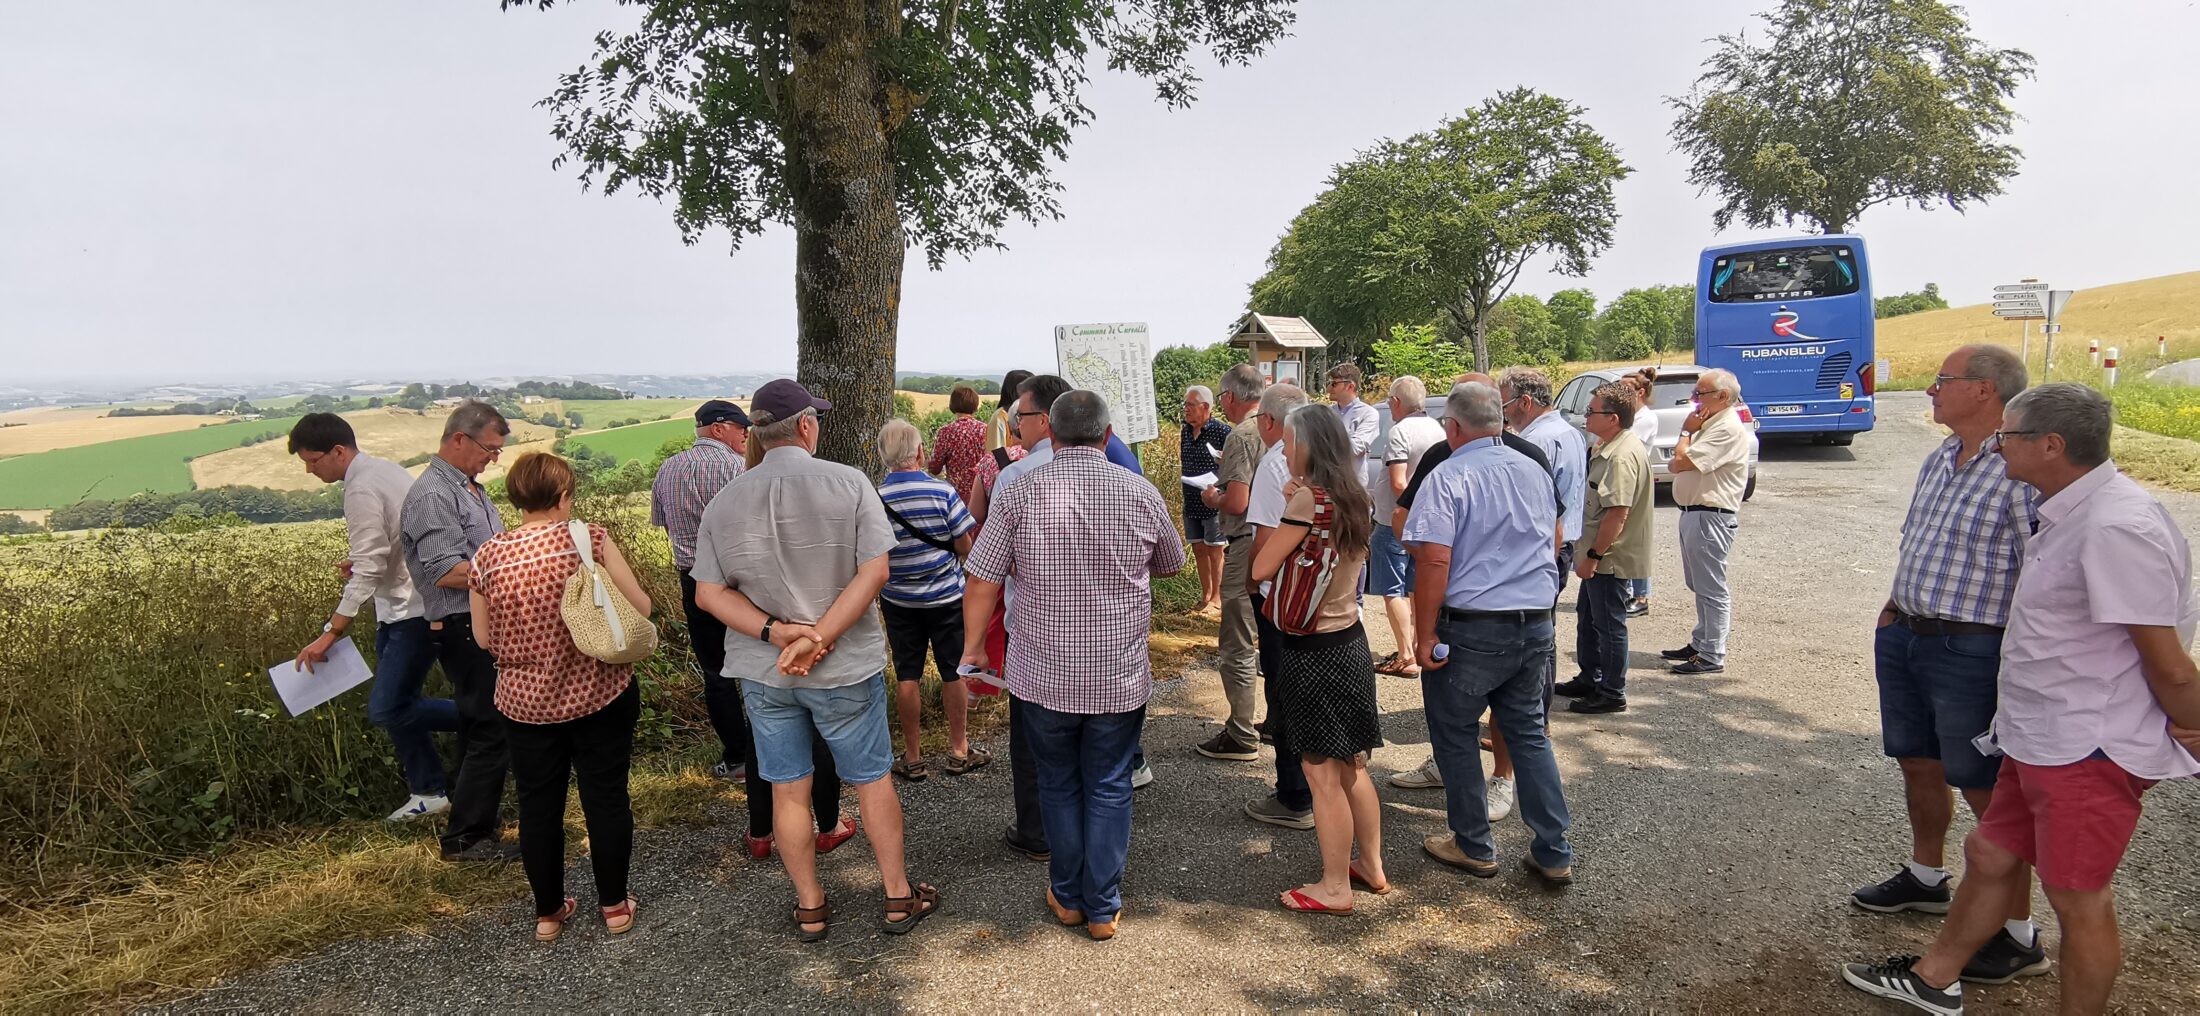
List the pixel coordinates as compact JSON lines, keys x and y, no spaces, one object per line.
{"x":790,"y":556}
{"x":447,"y":516}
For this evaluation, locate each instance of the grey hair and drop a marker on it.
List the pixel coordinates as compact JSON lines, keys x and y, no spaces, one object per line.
{"x":1725,"y":381}
{"x":2000,"y":366}
{"x":1278,"y":402}
{"x":1243,"y":381}
{"x":1529,"y":382}
{"x":1474,"y":406}
{"x":1079,"y":419}
{"x":1410,"y":392}
{"x":474,"y":418}
{"x":1200,"y":393}
{"x":899,"y":443}
{"x":771,"y":433}
{"x":2081,"y":416}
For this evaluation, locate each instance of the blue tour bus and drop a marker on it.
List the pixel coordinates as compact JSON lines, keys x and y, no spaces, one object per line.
{"x":1793,"y":320}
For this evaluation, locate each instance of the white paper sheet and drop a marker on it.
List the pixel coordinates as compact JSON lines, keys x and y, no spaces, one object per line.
{"x":1200,"y":482}
{"x":301,"y":690}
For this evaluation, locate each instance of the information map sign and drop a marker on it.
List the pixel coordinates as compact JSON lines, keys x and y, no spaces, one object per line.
{"x":1115,"y":360}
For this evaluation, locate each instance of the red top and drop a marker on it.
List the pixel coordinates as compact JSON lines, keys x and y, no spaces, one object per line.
{"x":956,"y":451}
{"x":542,"y":677}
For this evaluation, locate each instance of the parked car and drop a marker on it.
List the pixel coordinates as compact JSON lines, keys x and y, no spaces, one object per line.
{"x":1670,"y":400}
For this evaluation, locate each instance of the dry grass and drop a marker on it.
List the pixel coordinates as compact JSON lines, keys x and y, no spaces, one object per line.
{"x":926,"y":402}
{"x":36,"y":515}
{"x":49,"y":429}
{"x":2163,"y":461}
{"x":394,"y":434}
{"x":2127,"y":315}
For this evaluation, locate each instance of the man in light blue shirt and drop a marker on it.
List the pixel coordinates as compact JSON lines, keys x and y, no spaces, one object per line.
{"x":1480,"y":532}
{"x":1526,"y":392}
{"x":1362,"y":424}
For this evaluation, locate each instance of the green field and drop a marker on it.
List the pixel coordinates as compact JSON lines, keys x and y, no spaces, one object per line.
{"x":118,"y":469}
{"x":637,"y":442}
{"x":600,"y":412}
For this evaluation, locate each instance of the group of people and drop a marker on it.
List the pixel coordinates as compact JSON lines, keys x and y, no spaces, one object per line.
{"x":2040,"y":613}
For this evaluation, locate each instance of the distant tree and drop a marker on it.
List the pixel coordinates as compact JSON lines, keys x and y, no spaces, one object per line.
{"x":435,"y":392}
{"x":1631,"y":343}
{"x":12,"y":524}
{"x":870,"y":126}
{"x":1176,"y":368}
{"x":1848,"y":104}
{"x":549,"y":420}
{"x":1522,"y":332}
{"x":1633,"y":325}
{"x":1574,"y":311}
{"x":573,"y":419}
{"x":1422,"y":351}
{"x":1928,"y":298}
{"x":1443,"y":223}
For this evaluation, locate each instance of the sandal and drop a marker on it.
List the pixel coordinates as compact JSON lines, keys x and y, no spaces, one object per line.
{"x":1392,"y":664}
{"x":1353,"y":872}
{"x":914,"y":772}
{"x":1295,"y":900}
{"x":619,"y":919}
{"x":547,"y":929}
{"x":918,"y":905}
{"x":820,"y":915}
{"x":960,"y":765}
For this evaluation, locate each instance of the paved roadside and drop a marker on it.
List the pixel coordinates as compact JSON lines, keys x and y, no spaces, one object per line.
{"x":1720,"y":823}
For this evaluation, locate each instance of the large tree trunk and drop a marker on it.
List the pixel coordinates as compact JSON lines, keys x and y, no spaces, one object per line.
{"x":848,"y":237}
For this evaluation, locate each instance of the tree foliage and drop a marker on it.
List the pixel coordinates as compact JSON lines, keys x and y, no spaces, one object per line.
{"x":1849,"y":104}
{"x":1899,"y":304}
{"x":1176,"y":368}
{"x":1422,"y":351}
{"x":1574,"y":311}
{"x":1439,"y":225}
{"x":1522,"y":331}
{"x":1648,"y":320}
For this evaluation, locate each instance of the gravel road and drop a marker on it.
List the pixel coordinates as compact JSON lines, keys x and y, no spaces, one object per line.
{"x":1719,"y":823}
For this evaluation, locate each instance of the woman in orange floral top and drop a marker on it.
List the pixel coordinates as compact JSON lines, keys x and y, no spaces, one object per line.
{"x":572,"y":716}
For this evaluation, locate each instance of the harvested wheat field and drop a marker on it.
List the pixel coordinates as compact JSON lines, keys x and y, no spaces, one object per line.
{"x":393,"y":434}
{"x":2128,"y":315}
{"x":30,"y":431}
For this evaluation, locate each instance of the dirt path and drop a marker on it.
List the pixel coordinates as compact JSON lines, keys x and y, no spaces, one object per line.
{"x":1719,"y":824}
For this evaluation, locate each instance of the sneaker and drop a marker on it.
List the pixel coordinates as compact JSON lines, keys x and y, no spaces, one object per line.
{"x":1894,"y":979}
{"x":1637,"y":608}
{"x":734,"y":773}
{"x":421,"y":806}
{"x":1499,"y":797}
{"x":1427,"y":777}
{"x":490,"y":851}
{"x":1904,"y":892}
{"x":1228,"y":749}
{"x":1141,"y":776}
{"x":1696,"y":665}
{"x":1576,"y":688}
{"x":1683,"y":653}
{"x":2001,"y":960}
{"x":1272,"y":811}
{"x":1599,"y":703}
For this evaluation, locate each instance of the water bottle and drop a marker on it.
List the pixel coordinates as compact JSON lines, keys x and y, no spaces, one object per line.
{"x":1441,"y":652}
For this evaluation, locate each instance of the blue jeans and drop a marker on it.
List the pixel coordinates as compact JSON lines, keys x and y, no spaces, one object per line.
{"x":1600,"y":634}
{"x":1504,"y":666}
{"x":1638,"y":589}
{"x":785,"y":723}
{"x":403,"y":652}
{"x":1084,"y":763}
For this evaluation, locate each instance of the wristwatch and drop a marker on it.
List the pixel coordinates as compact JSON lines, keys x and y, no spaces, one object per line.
{"x":1595,"y":554}
{"x":766,"y":634}
{"x":328,"y":627}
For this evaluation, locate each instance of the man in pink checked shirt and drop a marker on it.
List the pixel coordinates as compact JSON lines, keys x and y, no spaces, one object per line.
{"x":2099,"y":700}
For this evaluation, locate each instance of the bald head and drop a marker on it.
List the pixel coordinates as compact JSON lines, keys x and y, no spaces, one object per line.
{"x":1477,"y":377}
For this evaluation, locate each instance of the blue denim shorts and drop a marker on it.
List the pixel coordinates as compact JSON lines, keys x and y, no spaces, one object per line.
{"x":1936,"y":693}
{"x":1389,"y":566}
{"x":1207,"y":530}
{"x":852,"y":719}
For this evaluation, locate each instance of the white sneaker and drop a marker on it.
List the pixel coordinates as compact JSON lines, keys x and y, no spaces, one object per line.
{"x":421,"y":806}
{"x":1427,"y":777}
{"x":1499,"y":797}
{"x":1141,"y":776}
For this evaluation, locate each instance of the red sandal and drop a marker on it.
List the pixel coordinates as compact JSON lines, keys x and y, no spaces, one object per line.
{"x":1353,"y":873}
{"x":1295,"y":900}
{"x":619,"y":919}
{"x":555,"y":922}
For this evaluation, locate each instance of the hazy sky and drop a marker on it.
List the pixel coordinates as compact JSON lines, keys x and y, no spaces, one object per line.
{"x":233,"y":188}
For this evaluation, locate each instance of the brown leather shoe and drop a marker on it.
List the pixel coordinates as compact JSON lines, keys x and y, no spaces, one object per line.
{"x":1550,"y":876}
{"x":1069,"y":918}
{"x":1444,"y":847}
{"x":1102,"y":932}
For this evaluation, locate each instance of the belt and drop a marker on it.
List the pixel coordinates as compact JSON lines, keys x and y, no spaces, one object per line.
{"x":1240,"y":536}
{"x":1942,"y":626}
{"x":1706,"y":508}
{"x":1514,"y":616}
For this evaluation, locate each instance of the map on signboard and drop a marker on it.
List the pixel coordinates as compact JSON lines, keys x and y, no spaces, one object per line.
{"x":1115,"y":360}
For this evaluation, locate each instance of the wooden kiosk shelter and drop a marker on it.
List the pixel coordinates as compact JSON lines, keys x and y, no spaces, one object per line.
{"x":1286,"y":349}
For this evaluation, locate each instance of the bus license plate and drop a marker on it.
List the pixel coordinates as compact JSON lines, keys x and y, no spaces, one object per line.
{"x":1783,"y":410}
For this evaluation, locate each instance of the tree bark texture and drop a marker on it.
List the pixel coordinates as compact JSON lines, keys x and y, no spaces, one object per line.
{"x":849,"y":244}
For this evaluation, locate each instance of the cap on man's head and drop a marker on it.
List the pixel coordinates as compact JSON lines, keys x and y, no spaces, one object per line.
{"x":784,"y":398}
{"x":719,"y":411}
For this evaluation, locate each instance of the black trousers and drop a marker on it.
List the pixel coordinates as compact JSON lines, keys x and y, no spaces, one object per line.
{"x":1291,"y":789}
{"x":477,"y":788}
{"x":1023,"y":768}
{"x":824,"y":789}
{"x":721,"y":694}
{"x":596,"y":751}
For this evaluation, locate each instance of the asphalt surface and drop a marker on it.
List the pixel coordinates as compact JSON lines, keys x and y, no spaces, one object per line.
{"x":1719,"y":824}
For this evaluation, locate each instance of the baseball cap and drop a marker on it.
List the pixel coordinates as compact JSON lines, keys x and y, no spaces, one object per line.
{"x":719,"y":411}
{"x":784,"y":398}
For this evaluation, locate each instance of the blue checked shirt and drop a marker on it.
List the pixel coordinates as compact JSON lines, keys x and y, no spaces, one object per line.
{"x":1963,"y":539}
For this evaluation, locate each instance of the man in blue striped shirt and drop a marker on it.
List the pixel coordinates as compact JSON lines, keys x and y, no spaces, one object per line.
{"x":922,"y":601}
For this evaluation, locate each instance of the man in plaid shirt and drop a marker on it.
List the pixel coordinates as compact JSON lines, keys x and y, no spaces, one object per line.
{"x":684,"y":486}
{"x":1084,"y":539}
{"x":1938,"y":645}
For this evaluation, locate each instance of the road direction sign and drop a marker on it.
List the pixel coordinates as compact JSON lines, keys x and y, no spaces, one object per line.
{"x":2022,"y":287}
{"x":2025,"y":313}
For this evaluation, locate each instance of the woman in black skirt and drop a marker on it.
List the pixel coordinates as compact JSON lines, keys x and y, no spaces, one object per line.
{"x":1327,"y":677}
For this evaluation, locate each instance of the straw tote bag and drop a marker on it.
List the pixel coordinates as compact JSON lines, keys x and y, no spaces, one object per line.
{"x":604,"y":625}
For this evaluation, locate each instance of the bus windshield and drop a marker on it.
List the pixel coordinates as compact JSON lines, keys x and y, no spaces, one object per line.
{"x":1788,"y":273}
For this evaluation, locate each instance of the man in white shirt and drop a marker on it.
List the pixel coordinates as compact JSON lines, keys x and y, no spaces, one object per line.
{"x":1710,"y":468}
{"x":374,"y":497}
{"x":1292,"y":805}
{"x":1389,"y":566}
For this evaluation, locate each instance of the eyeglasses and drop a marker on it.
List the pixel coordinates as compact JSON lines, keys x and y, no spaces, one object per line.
{"x":1703,"y":393}
{"x":1600,"y":412}
{"x":1994,"y":440}
{"x":491,"y":452}
{"x":1020,"y":414}
{"x":1941,"y":379}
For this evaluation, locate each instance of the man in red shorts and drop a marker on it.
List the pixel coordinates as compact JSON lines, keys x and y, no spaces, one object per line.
{"x":2099,"y":700}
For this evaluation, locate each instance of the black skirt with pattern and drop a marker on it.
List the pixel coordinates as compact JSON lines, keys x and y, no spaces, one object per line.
{"x":1328,"y":693}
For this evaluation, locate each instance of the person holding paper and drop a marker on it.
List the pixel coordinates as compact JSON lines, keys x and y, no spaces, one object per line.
{"x":374,"y":569}
{"x":1200,"y":445}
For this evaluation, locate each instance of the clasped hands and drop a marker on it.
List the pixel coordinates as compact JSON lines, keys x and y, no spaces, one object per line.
{"x":800,"y":647}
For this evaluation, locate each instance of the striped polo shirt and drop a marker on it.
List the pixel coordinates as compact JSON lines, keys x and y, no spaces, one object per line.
{"x":920,"y":574}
